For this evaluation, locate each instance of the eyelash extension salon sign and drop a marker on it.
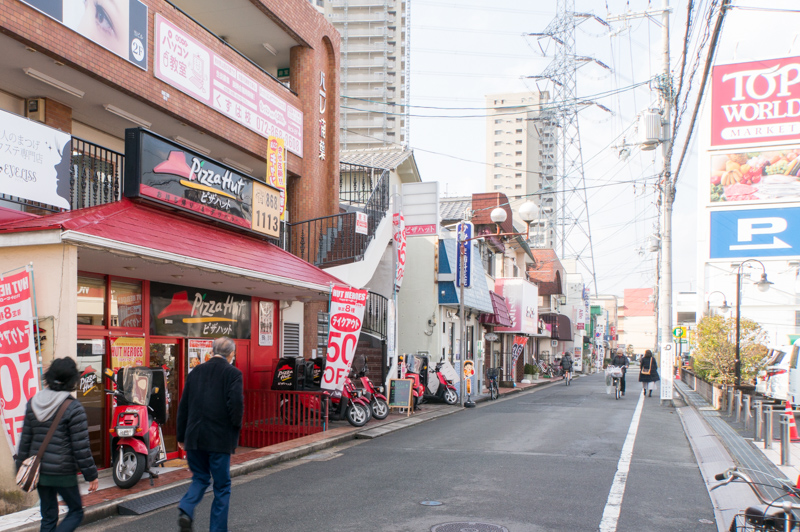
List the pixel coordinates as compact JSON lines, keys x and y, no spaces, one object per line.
{"x":197,"y":313}
{"x":120,"y":31}
{"x":167,"y":173}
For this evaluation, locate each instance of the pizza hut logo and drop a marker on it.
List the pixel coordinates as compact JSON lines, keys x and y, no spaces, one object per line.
{"x":285,"y":373}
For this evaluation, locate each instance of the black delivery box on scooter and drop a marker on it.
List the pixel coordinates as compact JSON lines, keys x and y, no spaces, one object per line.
{"x":289,"y":374}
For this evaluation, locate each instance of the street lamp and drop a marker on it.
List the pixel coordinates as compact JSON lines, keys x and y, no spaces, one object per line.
{"x":763,"y":286}
{"x":724,"y":307}
{"x":498,"y":216}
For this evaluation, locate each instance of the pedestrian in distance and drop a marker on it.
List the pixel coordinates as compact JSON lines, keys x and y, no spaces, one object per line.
{"x":620,"y":360}
{"x":209,"y":421}
{"x":67,"y":452}
{"x":566,"y":365}
{"x":648,"y":373}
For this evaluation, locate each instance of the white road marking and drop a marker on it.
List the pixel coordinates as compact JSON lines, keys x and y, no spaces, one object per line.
{"x":614,"y":502}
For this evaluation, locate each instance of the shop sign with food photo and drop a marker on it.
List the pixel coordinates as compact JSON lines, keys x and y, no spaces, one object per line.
{"x":772,"y":175}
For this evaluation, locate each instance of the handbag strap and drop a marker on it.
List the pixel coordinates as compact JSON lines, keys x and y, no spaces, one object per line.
{"x":56,"y":421}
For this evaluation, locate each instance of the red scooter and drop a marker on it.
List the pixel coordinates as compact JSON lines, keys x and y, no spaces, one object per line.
{"x":374,"y":394}
{"x":139,"y":412}
{"x":431,"y":384}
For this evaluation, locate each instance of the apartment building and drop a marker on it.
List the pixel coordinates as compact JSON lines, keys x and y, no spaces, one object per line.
{"x":521,"y":152}
{"x":374,"y":71}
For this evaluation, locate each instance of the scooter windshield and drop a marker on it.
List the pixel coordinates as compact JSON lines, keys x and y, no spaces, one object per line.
{"x":137,"y":386}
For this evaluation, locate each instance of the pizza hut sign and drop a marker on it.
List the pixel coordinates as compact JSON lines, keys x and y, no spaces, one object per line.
{"x":756,"y":102}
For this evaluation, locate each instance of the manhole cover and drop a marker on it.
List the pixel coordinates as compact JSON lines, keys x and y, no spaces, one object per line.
{"x":431,"y":503}
{"x":468,"y":527}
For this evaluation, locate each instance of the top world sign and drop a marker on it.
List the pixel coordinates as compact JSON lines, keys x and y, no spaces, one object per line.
{"x":756,"y":103}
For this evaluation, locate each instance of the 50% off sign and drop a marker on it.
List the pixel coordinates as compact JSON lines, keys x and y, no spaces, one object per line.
{"x":346,"y":317}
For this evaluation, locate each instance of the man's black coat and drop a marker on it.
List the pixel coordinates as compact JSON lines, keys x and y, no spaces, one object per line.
{"x":211,"y":408}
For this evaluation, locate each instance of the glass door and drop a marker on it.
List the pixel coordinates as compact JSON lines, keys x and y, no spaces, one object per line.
{"x":91,"y":396}
{"x":166,"y":354}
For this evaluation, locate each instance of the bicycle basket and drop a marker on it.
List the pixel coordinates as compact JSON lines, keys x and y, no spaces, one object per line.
{"x":614,"y":371}
{"x":492,"y":373}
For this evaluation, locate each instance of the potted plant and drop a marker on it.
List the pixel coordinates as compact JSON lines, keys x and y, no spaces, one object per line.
{"x":529,"y":372}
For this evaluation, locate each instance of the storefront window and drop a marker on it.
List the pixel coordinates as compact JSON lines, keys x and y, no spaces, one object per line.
{"x":126,"y":304}
{"x":91,"y":301}
{"x":165,"y":355}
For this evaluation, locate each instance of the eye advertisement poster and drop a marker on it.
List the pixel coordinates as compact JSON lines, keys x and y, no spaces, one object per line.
{"x":119,"y":26}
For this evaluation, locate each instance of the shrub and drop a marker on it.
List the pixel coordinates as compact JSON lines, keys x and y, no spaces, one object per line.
{"x":528,"y":369}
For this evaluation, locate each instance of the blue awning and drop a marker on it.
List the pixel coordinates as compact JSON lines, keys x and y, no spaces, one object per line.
{"x":477,"y":296}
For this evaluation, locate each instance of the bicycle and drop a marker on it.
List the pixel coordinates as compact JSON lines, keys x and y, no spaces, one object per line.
{"x":616,"y":379}
{"x":568,"y":377}
{"x":491,"y":379}
{"x":772,"y":515}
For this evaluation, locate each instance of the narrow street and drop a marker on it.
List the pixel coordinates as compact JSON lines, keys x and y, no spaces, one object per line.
{"x":544,"y":460}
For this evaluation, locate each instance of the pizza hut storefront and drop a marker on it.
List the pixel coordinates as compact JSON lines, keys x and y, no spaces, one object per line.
{"x":152,"y":279}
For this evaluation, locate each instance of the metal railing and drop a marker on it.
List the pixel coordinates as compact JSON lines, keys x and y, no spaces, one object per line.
{"x":95,"y":175}
{"x":375,"y":315}
{"x":272,"y":417}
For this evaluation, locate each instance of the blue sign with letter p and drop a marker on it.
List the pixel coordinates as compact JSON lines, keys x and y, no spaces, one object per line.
{"x":755,"y":233}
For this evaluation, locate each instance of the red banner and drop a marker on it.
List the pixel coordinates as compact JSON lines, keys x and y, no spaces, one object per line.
{"x":346,"y":315}
{"x":518,"y":348}
{"x":19,"y":379}
{"x":756,"y":102}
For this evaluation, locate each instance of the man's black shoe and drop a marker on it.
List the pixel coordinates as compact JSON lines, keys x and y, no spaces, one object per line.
{"x":184,"y":522}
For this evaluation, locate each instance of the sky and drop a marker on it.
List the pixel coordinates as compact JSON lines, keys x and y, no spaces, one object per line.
{"x":462,"y":51}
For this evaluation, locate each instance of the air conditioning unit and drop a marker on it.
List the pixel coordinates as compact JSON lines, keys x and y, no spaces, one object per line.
{"x":554,"y":343}
{"x":34,"y":109}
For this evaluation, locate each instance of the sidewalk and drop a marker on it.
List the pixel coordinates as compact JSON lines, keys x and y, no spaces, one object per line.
{"x":706,"y":427}
{"x":105,"y":501}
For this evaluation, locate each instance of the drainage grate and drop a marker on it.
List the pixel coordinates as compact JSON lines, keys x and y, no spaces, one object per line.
{"x":468,"y":527}
{"x":149,"y":503}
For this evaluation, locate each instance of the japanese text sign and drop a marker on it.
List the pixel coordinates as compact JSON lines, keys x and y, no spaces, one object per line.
{"x":346,"y":315}
{"x":35,"y":161}
{"x":276,"y":168}
{"x":19,"y":379}
{"x":196,"y":70}
{"x":399,"y":229}
{"x":755,"y":102}
{"x":518,"y":348}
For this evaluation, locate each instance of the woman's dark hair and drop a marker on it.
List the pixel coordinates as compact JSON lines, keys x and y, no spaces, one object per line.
{"x":648,"y":353}
{"x":62,"y":375}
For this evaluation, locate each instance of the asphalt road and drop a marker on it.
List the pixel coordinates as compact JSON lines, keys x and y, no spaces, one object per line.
{"x":537,"y":461}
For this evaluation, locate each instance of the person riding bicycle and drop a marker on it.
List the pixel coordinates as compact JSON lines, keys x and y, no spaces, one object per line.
{"x":566,"y":364}
{"x":620,"y":360}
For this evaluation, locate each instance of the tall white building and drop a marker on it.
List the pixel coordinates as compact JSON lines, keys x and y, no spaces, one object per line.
{"x":375,"y":71}
{"x":521,"y":157}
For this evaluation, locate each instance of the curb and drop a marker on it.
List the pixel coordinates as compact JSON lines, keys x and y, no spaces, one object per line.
{"x":110,"y":508}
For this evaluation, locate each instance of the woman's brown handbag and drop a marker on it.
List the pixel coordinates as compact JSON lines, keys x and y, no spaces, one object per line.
{"x":28,"y":474}
{"x":649,"y":368}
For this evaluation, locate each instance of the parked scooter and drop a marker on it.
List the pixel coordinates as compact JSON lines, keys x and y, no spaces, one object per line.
{"x":431,"y":383}
{"x":296,"y":374}
{"x":140,"y":410}
{"x":374,"y":394}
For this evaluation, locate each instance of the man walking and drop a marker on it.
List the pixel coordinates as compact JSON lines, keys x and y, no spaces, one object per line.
{"x":620,"y":360}
{"x":209,"y":421}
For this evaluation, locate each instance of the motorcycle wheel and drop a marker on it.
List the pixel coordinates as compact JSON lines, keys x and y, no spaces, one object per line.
{"x":357,"y":415}
{"x":128,"y":470}
{"x":450,"y":396}
{"x":380,"y":410}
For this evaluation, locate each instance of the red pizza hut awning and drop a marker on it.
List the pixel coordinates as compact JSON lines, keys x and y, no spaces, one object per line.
{"x":500,"y":317}
{"x":158,"y":243}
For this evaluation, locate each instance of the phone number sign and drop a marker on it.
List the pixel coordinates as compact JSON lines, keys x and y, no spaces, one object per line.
{"x":347,"y":314}
{"x":18,"y":376}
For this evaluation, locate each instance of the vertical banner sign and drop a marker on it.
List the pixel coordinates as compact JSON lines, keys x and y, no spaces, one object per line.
{"x":127,"y":352}
{"x":399,"y":230}
{"x":667,"y":370}
{"x":465,"y":230}
{"x":276,"y":168}
{"x":347,"y":314}
{"x":518,"y":348}
{"x":18,"y":375}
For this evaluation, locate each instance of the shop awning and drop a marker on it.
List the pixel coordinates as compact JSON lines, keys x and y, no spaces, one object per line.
{"x":476,"y":297}
{"x":500,"y":316}
{"x":562,"y":326}
{"x":148,"y":238}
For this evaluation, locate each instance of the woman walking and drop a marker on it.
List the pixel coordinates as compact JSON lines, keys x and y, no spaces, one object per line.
{"x":648,"y":373}
{"x":68,"y":451}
